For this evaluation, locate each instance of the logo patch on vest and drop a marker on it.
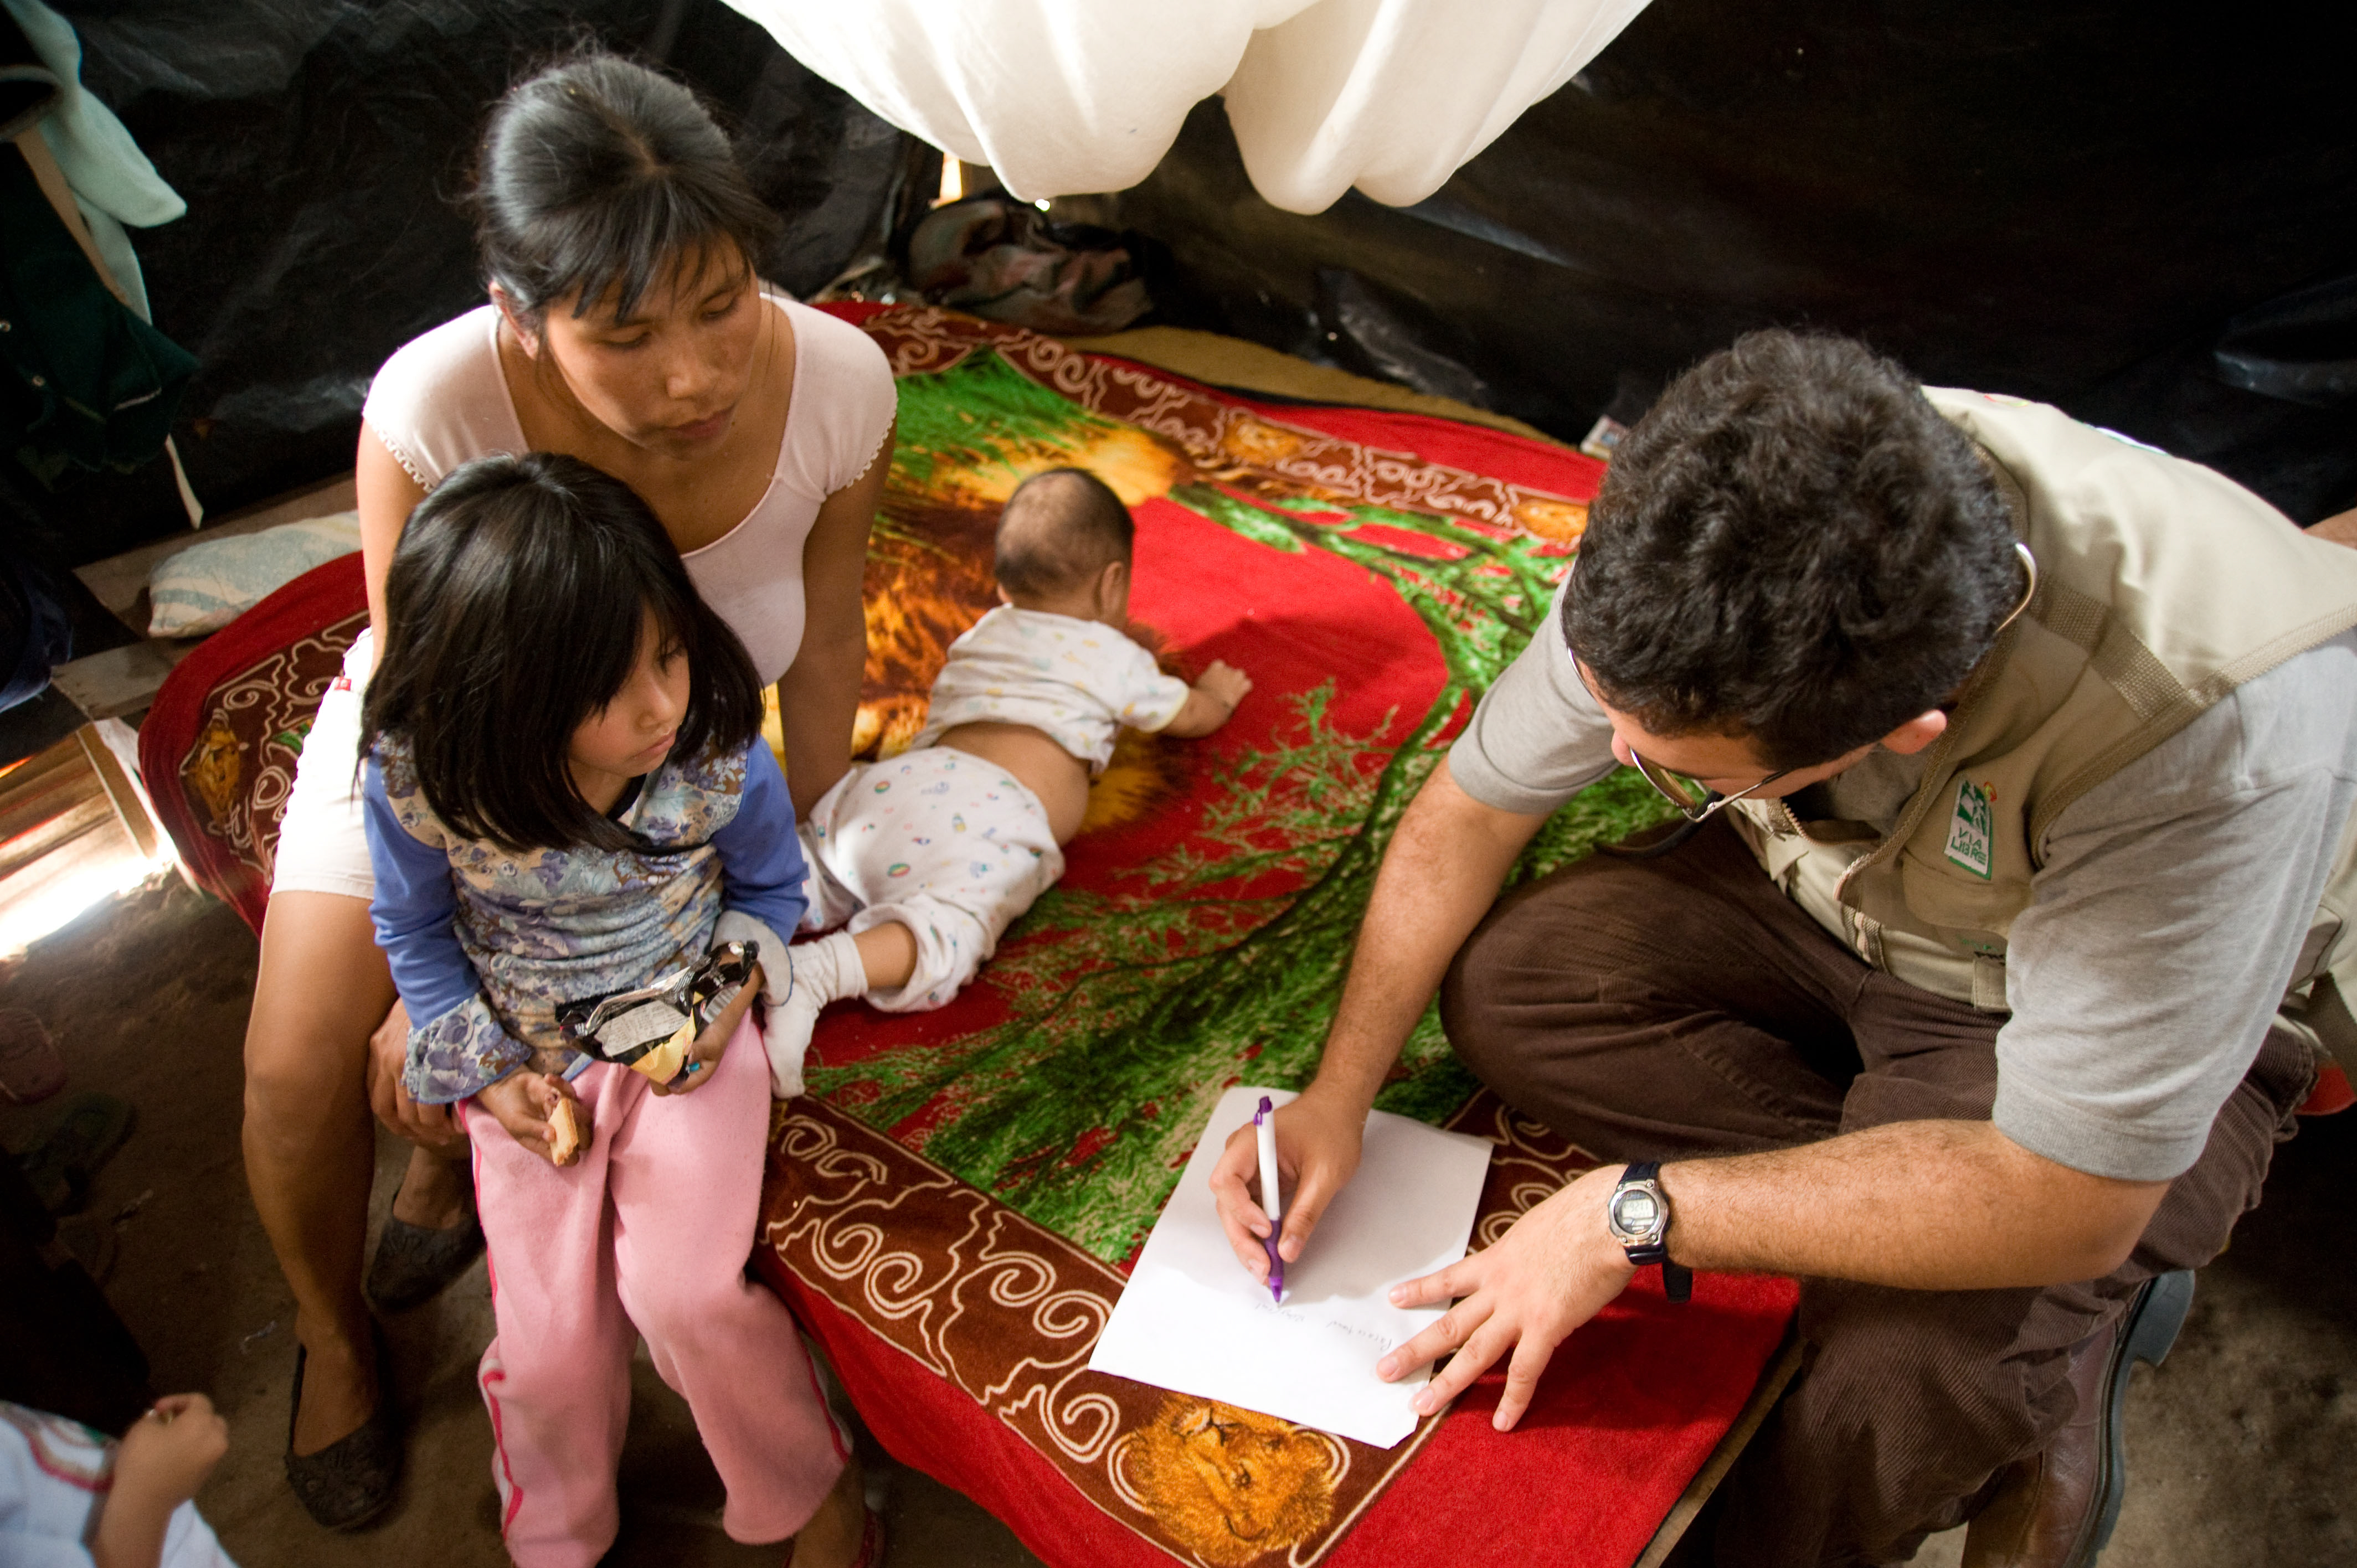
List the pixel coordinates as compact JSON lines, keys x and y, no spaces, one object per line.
{"x":1972,"y":830}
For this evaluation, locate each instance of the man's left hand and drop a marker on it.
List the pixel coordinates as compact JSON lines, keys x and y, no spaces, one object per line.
{"x":1554,"y":1270}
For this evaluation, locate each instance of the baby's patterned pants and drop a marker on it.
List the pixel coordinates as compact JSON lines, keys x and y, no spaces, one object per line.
{"x":948,"y":844}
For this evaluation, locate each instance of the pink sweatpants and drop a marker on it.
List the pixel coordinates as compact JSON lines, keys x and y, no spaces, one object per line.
{"x":648,"y":1235}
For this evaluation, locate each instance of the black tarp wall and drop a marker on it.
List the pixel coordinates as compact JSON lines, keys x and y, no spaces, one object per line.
{"x":2112,"y":207}
{"x":2072,"y":200}
{"x":319,"y":143}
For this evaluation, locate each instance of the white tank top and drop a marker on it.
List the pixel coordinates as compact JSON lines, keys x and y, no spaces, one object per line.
{"x":441,"y":401}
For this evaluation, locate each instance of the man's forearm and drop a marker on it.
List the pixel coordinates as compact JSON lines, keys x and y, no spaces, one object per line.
{"x":1920,"y":1205}
{"x":1441,"y":873}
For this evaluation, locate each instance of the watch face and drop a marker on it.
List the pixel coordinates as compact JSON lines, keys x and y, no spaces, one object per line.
{"x":1636,"y":1216}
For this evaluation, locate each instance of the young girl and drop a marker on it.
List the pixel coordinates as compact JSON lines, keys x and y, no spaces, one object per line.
{"x":567,"y":799}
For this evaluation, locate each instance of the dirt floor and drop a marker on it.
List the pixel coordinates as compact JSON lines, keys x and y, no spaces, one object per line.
{"x":2237,"y":1448}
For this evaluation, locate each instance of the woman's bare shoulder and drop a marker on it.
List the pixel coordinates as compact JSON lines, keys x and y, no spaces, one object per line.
{"x":441,"y":398}
{"x":460,"y":349}
{"x":834,"y":434}
{"x":830,"y":342}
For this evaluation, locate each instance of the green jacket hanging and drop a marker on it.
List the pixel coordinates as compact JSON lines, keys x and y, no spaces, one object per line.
{"x":88,"y":384}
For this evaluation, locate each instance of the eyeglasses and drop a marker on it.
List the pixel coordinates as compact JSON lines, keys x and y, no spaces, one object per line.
{"x":1695,"y":804}
{"x":1681,"y":793}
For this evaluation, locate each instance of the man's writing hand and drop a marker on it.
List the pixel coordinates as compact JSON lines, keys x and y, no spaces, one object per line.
{"x":1317,"y":1146}
{"x":1553,"y":1272}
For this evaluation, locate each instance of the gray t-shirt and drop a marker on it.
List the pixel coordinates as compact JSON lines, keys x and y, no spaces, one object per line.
{"x":2167,"y":918}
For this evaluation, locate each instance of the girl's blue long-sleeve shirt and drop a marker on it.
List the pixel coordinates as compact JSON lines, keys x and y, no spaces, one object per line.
{"x":486,"y":944}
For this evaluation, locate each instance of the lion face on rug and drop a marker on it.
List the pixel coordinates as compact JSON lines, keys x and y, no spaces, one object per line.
{"x":1230,"y":1485}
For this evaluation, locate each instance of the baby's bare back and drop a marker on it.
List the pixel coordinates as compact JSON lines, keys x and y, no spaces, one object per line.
{"x":1039,"y":764}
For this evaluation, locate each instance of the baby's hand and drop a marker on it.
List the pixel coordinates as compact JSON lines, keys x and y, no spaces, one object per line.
{"x":1224,"y":682}
{"x":1211,"y":701}
{"x":168,"y":1453}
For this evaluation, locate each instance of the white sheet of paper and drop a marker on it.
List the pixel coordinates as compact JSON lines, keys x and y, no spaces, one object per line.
{"x":1192,"y":1320}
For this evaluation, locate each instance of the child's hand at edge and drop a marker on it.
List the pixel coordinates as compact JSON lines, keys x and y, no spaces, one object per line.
{"x":704,"y":1055}
{"x":1211,"y":701}
{"x":165,"y":1458}
{"x":524,"y":1103}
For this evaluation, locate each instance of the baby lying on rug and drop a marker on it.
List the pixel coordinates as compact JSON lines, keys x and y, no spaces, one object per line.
{"x":930,"y":855}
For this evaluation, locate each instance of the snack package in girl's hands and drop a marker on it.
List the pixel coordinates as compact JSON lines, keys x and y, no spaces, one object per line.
{"x":651,"y":1028}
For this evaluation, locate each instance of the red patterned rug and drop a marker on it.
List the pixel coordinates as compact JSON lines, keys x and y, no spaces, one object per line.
{"x":218,"y":748}
{"x":952,"y":1208}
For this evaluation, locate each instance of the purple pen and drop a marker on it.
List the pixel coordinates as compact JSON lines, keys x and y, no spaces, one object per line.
{"x":1265,"y":1128}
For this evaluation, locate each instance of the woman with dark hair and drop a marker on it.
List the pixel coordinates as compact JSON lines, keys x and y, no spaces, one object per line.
{"x":627,"y":327}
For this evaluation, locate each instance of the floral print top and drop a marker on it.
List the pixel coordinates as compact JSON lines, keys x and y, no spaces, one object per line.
{"x":485,"y":943}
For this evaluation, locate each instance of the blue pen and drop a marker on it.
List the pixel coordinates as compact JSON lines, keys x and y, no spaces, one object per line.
{"x":1265,"y":1128}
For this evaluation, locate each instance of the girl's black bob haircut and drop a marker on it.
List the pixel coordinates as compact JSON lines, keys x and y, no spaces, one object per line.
{"x":600,"y":175}
{"x":513,"y":610}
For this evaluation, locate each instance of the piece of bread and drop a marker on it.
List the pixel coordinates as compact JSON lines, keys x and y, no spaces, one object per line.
{"x":567,"y":1148}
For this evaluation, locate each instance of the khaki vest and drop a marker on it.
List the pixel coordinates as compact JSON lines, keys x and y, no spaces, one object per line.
{"x":2162,"y":587}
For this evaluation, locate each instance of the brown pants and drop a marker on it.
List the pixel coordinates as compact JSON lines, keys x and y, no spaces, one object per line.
{"x":1653,"y":1009}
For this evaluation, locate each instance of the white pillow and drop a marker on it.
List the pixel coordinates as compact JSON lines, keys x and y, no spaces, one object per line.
{"x":207,"y":585}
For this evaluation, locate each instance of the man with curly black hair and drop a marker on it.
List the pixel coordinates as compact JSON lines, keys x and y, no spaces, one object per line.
{"x":2000,"y":941}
